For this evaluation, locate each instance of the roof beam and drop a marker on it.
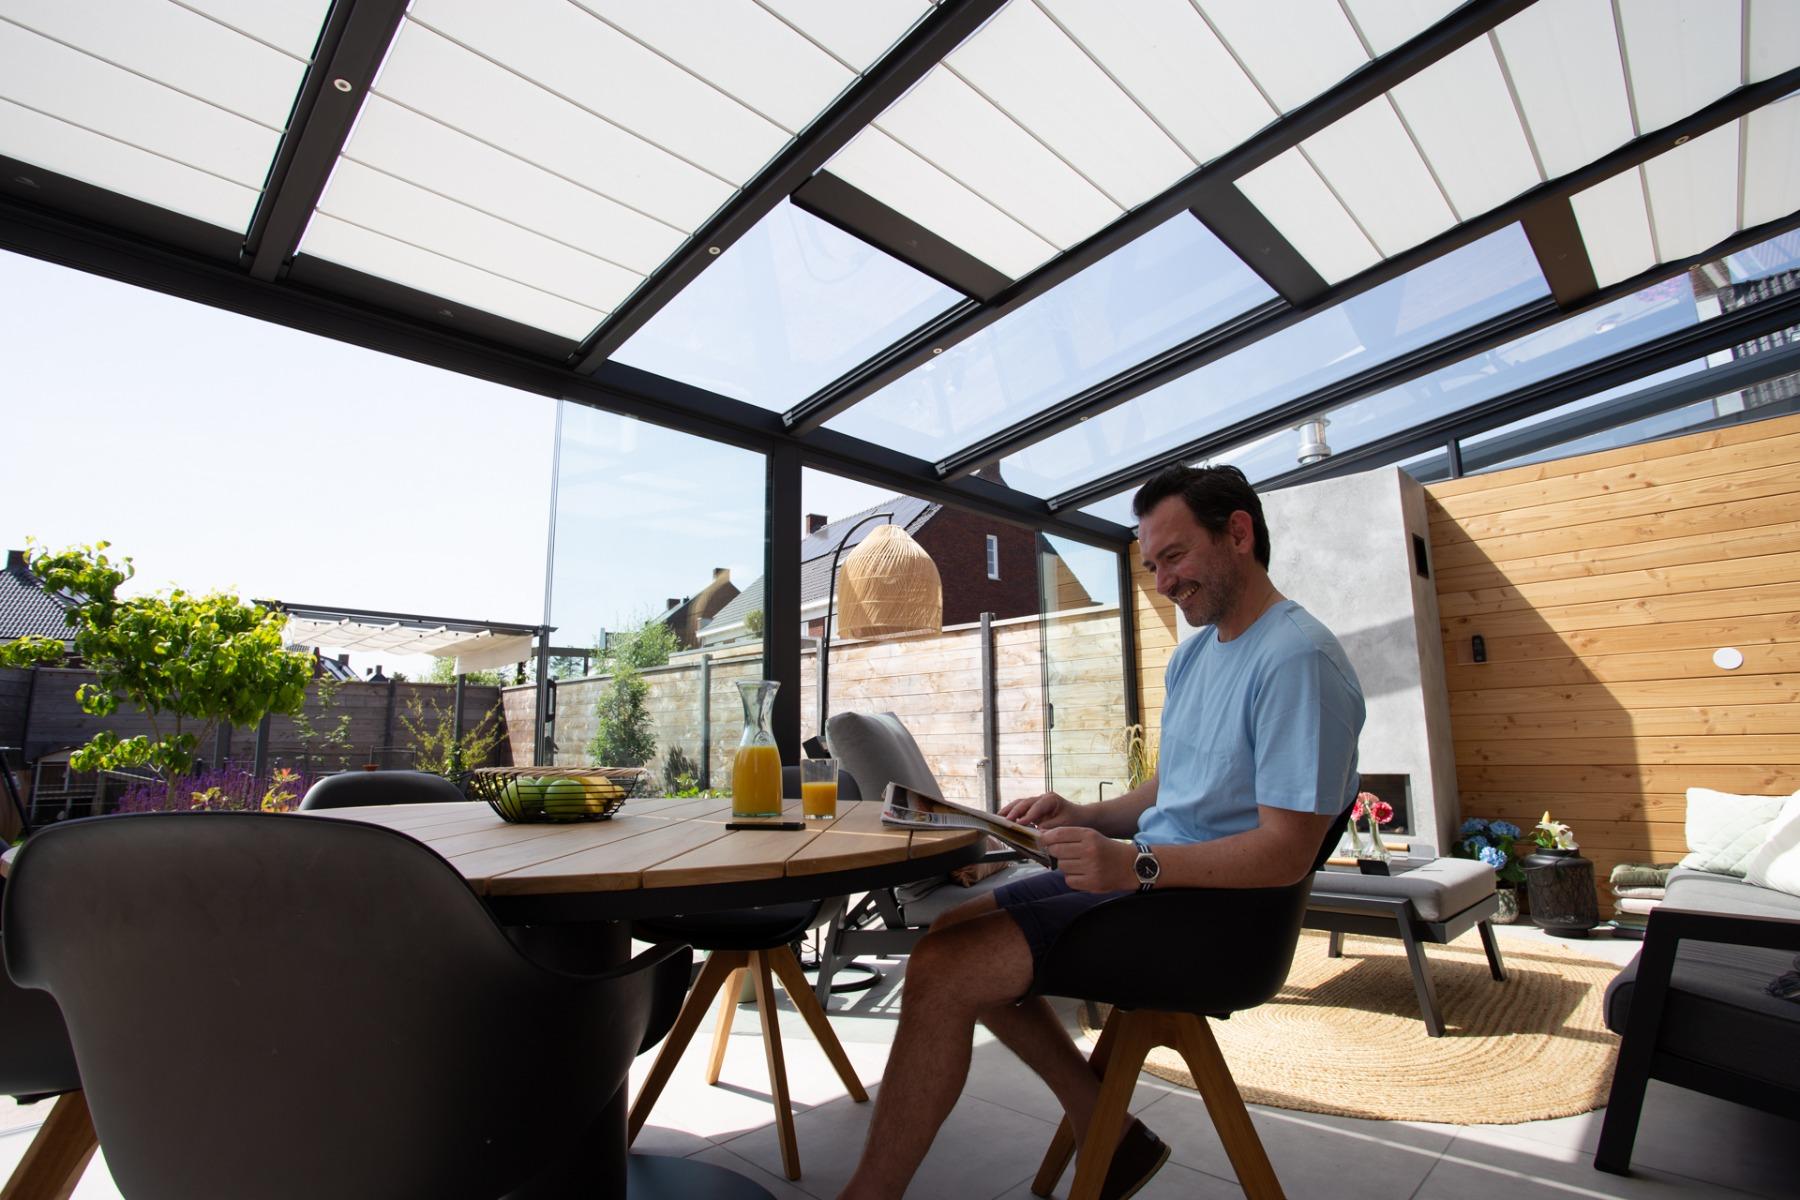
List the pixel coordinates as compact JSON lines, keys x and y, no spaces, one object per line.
{"x":1251,"y":236}
{"x":1716,"y":334}
{"x":1551,"y":394}
{"x":935,"y":36}
{"x":864,"y":217}
{"x":1562,"y":256}
{"x":1467,"y":23}
{"x":1130,"y":384}
{"x":351,"y":48}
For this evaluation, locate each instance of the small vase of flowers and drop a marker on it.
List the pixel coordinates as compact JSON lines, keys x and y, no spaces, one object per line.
{"x":1372,"y":858}
{"x":1496,"y":844}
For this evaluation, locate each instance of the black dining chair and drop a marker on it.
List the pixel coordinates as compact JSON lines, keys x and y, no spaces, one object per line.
{"x":232,"y":1040}
{"x":756,"y":943}
{"x":358,"y":789}
{"x":1166,"y":960}
{"x":37,"y":1063}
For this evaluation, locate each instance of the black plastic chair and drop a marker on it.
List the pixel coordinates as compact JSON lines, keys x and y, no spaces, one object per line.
{"x":757,"y":942}
{"x":35,"y":1064}
{"x":1166,"y":960}
{"x":359,"y":789}
{"x":233,"y":1041}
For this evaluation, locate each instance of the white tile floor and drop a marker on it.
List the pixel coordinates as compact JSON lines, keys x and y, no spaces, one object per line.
{"x":1688,"y":1145}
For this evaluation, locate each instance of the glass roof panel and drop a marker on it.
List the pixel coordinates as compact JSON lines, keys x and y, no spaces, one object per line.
{"x":1176,"y":281}
{"x":1772,"y":40}
{"x":1315,"y":222}
{"x":1295,"y":50}
{"x":181,"y":49}
{"x":574,"y":54}
{"x":1488,"y":277}
{"x":1563,"y":59}
{"x":1032,"y":70}
{"x":1615,"y":227}
{"x":1681,"y":55}
{"x":1463,"y":116}
{"x":1693,"y":191}
{"x":1371,"y":163}
{"x":745,"y":51}
{"x":1387,"y":23}
{"x":857,"y":34}
{"x":1170,"y":61}
{"x":909,"y":185}
{"x":95,"y":95}
{"x":788,"y":308}
{"x":1772,"y":161}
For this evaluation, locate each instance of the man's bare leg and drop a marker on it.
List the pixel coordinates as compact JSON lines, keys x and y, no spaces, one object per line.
{"x":956,"y":972}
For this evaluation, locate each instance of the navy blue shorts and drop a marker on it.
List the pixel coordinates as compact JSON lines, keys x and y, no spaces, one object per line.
{"x":1043,"y":905}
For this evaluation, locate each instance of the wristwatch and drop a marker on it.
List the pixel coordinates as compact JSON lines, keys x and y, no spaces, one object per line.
{"x":1146,"y":866}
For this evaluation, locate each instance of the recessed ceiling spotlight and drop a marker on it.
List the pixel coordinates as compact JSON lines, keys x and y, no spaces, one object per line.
{"x":342,"y":85}
{"x":712,"y":249}
{"x":1682,"y":140}
{"x":937,"y":349}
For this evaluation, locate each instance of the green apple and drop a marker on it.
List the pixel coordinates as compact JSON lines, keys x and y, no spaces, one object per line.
{"x":564,"y":797}
{"x":531,"y":795}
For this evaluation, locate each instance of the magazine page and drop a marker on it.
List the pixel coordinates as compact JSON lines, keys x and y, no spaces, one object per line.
{"x":905,"y":807}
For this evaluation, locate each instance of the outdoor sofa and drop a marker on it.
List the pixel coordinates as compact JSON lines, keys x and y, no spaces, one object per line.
{"x":1694,"y":1007}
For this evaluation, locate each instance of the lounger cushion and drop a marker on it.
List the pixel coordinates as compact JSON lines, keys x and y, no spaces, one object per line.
{"x":1438,"y":889}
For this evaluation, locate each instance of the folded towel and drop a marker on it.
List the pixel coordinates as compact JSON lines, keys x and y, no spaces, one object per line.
{"x":1640,"y":893}
{"x":1635,"y":906}
{"x":1637,"y":920}
{"x":1641,"y":874}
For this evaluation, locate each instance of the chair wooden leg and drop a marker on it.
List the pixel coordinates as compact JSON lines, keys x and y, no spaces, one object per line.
{"x":1226,"y":1107}
{"x":1062,"y":1146}
{"x":693,"y":1010}
{"x":1132,"y":1043}
{"x":54,"y":1162}
{"x":771,"y":1033}
{"x":787,"y":968}
{"x":728,"y":1005}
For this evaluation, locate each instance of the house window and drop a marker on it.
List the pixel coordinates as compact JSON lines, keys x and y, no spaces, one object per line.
{"x":993,"y":556}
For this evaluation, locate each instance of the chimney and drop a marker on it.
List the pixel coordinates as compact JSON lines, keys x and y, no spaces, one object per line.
{"x":15,"y":561}
{"x":722,"y":573}
{"x":671,"y":602}
{"x":815,"y":522}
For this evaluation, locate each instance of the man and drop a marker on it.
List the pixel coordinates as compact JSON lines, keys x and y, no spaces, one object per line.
{"x":1257,"y":758}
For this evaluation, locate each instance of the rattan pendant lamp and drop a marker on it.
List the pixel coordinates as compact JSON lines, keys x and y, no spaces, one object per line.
{"x":891,"y":587}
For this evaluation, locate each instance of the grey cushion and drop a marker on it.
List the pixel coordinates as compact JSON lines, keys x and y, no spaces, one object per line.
{"x":1438,"y":889}
{"x":1718,"y":1010}
{"x":877,"y":749}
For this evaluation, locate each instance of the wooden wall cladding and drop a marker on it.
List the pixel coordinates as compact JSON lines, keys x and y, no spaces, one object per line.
{"x":1601,"y":586}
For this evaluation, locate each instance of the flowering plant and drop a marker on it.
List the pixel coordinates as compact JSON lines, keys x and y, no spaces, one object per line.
{"x":1492,"y":842}
{"x":1368,"y":804}
{"x":1554,"y":835}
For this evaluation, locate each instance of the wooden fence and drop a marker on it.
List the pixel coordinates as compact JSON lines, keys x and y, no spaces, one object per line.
{"x":1068,"y":663}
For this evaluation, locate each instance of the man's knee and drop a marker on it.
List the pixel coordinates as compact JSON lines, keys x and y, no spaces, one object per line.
{"x":974,"y":961}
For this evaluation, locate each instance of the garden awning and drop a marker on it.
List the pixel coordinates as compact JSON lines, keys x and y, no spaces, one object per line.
{"x":475,"y":645}
{"x":917,"y":240}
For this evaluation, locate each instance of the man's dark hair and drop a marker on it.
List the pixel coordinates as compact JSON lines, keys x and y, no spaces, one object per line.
{"x":1212,"y":495}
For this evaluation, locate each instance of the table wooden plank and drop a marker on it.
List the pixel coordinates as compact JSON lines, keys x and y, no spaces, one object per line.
{"x":408,"y":816}
{"x":746,"y":854}
{"x":857,"y":838}
{"x":929,"y":842}
{"x":615,"y":866}
{"x":482,"y":863}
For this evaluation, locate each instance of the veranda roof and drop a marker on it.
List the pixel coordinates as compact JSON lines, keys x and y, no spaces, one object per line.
{"x":1072,"y":239}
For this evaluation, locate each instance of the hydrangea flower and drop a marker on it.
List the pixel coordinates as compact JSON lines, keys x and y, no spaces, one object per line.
{"x":1479,"y":845}
{"x":1504,"y":829}
{"x":1493,"y":856}
{"x":1472,"y":825}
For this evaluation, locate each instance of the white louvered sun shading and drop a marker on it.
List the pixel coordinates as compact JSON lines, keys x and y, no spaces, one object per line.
{"x":1057,"y":117}
{"x":1551,"y":89}
{"x":538,"y":159}
{"x":180,"y":106}
{"x":1690,"y":198}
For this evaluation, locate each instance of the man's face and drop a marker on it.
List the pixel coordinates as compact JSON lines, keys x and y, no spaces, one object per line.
{"x":1196,"y":570}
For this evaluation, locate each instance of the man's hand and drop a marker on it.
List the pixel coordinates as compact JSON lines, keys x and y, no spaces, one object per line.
{"x":1047,"y":811}
{"x":1091,"y":861}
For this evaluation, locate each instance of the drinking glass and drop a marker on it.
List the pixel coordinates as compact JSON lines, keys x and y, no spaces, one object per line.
{"x":818,"y":787}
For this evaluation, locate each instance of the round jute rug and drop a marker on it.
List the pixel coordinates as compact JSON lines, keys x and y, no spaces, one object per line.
{"x":1344,"y":1036}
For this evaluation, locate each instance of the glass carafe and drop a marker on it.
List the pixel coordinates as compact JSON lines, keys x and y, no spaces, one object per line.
{"x":756,"y":771}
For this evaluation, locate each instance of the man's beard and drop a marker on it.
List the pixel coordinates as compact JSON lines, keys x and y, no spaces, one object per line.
{"x":1216,"y":596}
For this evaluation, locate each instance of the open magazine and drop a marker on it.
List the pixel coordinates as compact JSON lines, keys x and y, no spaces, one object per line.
{"x":903,"y":806}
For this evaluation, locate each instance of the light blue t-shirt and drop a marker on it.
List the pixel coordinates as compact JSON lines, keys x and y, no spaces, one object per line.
{"x":1271,"y":718}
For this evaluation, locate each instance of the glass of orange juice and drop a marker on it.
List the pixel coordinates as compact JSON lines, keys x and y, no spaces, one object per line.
{"x":818,"y":787}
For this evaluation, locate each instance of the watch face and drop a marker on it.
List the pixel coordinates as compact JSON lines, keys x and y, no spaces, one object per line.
{"x":1146,"y":866}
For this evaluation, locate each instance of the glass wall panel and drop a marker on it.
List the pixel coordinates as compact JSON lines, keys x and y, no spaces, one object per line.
{"x":657,"y":533}
{"x":1481,"y":280}
{"x":1173,"y":283}
{"x":791,"y":306}
{"x":1083,"y":670}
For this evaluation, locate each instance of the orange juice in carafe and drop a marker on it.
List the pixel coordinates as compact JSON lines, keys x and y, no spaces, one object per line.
{"x":756,"y":771}
{"x":756,"y":782}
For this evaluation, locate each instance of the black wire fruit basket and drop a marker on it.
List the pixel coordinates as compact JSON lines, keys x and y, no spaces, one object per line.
{"x":532,"y":794}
